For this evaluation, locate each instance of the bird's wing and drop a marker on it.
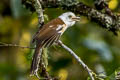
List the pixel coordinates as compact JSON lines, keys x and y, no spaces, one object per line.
{"x":50,"y":32}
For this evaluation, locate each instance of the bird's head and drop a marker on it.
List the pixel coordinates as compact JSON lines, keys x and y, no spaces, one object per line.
{"x":69,"y":18}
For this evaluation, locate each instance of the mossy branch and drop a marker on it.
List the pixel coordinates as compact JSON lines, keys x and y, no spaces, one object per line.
{"x":107,"y":20}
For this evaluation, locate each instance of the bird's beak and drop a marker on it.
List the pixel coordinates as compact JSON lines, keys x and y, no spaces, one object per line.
{"x":76,"y":18}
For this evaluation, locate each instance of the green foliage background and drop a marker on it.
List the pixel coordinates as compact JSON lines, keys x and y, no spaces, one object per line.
{"x":98,"y":48}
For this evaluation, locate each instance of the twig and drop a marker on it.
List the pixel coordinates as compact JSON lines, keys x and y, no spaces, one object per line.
{"x":92,"y":75}
{"x":90,"y":72}
{"x":14,"y":45}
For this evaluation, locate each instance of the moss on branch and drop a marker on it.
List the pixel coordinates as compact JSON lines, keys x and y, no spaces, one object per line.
{"x":104,"y":19}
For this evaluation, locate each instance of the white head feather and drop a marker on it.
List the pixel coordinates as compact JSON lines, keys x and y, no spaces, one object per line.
{"x":67,"y":18}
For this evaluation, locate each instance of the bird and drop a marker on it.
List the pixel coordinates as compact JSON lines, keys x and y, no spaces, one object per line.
{"x":49,"y":34}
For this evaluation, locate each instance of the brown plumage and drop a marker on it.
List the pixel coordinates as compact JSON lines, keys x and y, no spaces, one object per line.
{"x":45,"y":36}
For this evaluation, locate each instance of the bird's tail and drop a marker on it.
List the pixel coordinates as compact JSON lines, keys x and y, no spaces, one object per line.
{"x":36,"y":60}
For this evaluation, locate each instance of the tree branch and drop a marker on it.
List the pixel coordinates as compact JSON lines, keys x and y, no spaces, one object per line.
{"x":39,"y":11}
{"x":90,"y":72}
{"x":92,"y":75}
{"x":14,"y":45}
{"x":41,"y":64}
{"x":104,"y":19}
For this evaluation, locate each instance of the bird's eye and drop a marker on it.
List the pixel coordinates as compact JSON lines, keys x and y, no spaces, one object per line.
{"x":70,"y":16}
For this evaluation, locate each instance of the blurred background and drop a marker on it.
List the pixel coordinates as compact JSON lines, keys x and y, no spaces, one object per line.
{"x":97,"y":47}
